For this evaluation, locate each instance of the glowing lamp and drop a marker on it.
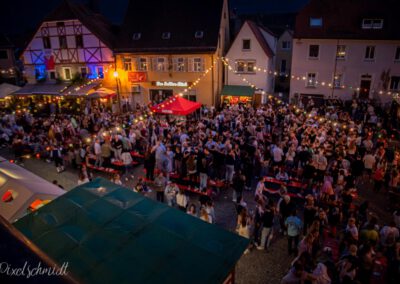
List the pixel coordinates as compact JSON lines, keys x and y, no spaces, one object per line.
{"x":115,"y":74}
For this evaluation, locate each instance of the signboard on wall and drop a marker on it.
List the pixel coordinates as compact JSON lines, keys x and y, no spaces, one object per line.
{"x":136,"y":77}
{"x":170,"y":84}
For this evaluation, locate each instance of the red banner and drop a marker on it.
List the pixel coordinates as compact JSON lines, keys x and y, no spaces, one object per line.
{"x":137,"y":77}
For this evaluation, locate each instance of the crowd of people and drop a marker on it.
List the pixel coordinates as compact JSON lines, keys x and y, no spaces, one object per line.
{"x":333,"y":151}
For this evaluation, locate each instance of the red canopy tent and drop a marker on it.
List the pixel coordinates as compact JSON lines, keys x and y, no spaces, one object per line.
{"x":176,"y":105}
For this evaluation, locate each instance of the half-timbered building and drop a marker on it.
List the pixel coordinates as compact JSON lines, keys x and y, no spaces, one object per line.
{"x":72,"y":44}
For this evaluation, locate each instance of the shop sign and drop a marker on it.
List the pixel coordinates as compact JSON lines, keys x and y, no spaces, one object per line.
{"x":136,"y":77}
{"x":170,"y":84}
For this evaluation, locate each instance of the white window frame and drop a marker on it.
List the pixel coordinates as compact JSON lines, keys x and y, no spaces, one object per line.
{"x":65,"y":74}
{"x":315,"y":22}
{"x":237,"y":65}
{"x":313,"y":83}
{"x":371,"y":48}
{"x":245,"y":63}
{"x":289,"y":45}
{"x":190,"y":94}
{"x":247,"y":49}
{"x":179,"y":64}
{"x":143,"y":64}
{"x":254,"y":67}
{"x":127,"y":63}
{"x":198,"y":63}
{"x":161,"y":66}
{"x":309,"y":49}
{"x":341,"y":57}
{"x":391,"y":82}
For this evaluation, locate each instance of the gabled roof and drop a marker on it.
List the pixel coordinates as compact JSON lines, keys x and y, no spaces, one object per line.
{"x":342,"y":19}
{"x":110,"y":234}
{"x":181,"y":18}
{"x":257,"y":31}
{"x":96,"y":23}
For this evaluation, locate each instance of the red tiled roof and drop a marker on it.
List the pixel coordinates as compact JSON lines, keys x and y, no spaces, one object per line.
{"x":260,"y":37}
{"x":342,"y":19}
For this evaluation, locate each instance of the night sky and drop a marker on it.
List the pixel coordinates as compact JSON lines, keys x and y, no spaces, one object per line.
{"x":22,"y":16}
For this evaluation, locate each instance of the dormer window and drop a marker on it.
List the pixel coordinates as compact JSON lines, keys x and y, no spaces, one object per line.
{"x":166,"y":35}
{"x":372,"y":24}
{"x":199,"y":34}
{"x":315,"y":22}
{"x":136,"y":36}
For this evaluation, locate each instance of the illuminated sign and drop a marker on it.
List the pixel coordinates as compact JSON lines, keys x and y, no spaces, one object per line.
{"x":171,"y":84}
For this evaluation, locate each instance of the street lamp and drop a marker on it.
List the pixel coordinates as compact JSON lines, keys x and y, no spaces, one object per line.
{"x":118,"y":94}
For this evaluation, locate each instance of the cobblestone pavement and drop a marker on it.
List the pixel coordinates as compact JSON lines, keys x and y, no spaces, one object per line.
{"x":254,"y":267}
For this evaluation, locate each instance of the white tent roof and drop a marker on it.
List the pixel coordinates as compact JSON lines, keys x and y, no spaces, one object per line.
{"x":7,"y":89}
{"x":28,"y":187}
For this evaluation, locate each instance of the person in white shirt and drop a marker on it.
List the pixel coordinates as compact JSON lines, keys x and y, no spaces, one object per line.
{"x":369,"y":162}
{"x":97,"y":152}
{"x":277,"y":155}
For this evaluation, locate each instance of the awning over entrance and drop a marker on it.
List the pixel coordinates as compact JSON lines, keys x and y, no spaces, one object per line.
{"x":7,"y":89}
{"x":101,"y":93}
{"x":42,"y":89}
{"x":82,"y":90}
{"x":237,"y":91}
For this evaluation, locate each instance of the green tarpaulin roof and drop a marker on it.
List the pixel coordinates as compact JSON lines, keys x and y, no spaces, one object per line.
{"x":110,"y":234}
{"x":234,"y":90}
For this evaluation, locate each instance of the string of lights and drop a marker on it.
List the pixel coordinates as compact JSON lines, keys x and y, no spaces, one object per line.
{"x":323,"y":83}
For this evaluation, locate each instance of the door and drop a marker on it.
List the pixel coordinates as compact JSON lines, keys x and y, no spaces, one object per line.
{"x":365,"y":86}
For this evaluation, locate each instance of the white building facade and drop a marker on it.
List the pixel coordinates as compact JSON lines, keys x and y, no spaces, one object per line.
{"x":363,"y":62}
{"x":251,"y":58}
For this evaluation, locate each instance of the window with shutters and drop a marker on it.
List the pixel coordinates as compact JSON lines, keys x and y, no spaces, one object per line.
{"x":160,"y":64}
{"x":127,"y":63}
{"x":142,"y":64}
{"x":179,"y":64}
{"x":198,"y":64}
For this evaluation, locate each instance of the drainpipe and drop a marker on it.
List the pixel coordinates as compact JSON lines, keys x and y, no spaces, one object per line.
{"x":334,"y":70}
{"x":212,"y":80}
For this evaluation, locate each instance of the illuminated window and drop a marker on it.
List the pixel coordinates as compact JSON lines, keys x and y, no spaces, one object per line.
{"x":179,"y":64}
{"x":161,"y":64}
{"x":240,"y":66}
{"x":142,"y":64}
{"x":127,"y":63}
{"x":251,"y":66}
{"x":311,"y":80}
{"x":67,"y":73}
{"x":340,"y":52}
